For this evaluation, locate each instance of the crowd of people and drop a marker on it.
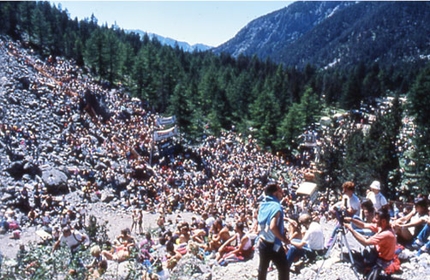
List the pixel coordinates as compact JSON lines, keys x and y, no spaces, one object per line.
{"x":242,"y":198}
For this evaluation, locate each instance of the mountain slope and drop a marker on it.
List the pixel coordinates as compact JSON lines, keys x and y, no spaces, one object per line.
{"x":329,"y":33}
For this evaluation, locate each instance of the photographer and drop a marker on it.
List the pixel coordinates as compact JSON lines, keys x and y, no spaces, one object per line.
{"x":350,"y":202}
{"x":349,"y":206}
{"x":384,"y":239}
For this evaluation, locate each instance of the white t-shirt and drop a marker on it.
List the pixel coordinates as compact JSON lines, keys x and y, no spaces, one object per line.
{"x":72,"y":240}
{"x":352,"y":202}
{"x":210,"y":221}
{"x":314,"y":236}
{"x":378,"y":200}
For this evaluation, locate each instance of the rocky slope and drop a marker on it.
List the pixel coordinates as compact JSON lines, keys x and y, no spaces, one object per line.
{"x":42,"y":110}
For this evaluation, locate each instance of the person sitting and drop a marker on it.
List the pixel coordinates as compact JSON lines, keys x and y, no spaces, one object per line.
{"x":349,"y":206}
{"x":367,"y":216}
{"x":32,"y":216}
{"x":200,"y":233}
{"x":99,"y":271}
{"x":294,"y":230}
{"x":146,"y":247}
{"x":242,"y":251}
{"x":312,"y":244}
{"x":122,"y":245}
{"x":172,"y":255}
{"x":384,"y":240}
{"x":96,"y":268}
{"x":220,"y":234}
{"x":408,"y":227}
{"x":185,"y":234}
{"x":375,"y":195}
{"x":422,"y":242}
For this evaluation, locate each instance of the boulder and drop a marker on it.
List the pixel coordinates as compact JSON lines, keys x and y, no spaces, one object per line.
{"x":16,"y":169}
{"x":32,"y":169}
{"x":55,"y":181}
{"x":107,"y":196}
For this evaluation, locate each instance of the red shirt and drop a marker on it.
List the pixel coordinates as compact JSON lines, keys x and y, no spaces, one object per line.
{"x":385,"y":243}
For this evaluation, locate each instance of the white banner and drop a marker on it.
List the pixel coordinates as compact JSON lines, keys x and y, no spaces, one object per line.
{"x":164,"y":134}
{"x":166,"y":120}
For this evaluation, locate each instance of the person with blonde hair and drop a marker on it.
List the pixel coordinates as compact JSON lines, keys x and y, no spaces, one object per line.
{"x":94,"y":268}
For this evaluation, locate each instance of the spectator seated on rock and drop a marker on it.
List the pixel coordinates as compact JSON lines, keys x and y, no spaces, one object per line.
{"x":312,"y":244}
{"x":380,"y":249}
{"x":98,"y":272}
{"x":172,"y":255}
{"x":367,"y":216}
{"x":183,"y":238}
{"x":200,"y":233}
{"x":32,"y":216}
{"x":96,"y":253}
{"x":220,"y":233}
{"x":122,"y":246}
{"x":294,"y":228}
{"x":243,"y":249}
{"x":146,"y":247}
{"x":72,"y":238}
{"x":422,"y":242}
{"x":408,"y":227}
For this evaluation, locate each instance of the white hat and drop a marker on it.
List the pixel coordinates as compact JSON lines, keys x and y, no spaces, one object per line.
{"x":375,"y":185}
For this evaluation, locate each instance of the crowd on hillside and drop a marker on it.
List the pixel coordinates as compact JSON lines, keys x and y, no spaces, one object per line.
{"x":221,"y":181}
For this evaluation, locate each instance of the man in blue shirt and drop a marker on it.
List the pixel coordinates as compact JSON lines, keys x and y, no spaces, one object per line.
{"x":272,"y":235}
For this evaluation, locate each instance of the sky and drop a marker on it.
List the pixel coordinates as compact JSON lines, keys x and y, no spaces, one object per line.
{"x":207,"y":22}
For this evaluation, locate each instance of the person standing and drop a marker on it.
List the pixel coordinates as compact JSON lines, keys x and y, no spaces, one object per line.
{"x":272,"y":235}
{"x":134,"y":219}
{"x":140,"y":220}
{"x":376,"y":196}
{"x":72,"y":238}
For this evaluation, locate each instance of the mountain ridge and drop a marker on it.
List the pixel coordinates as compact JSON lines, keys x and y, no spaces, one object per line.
{"x":329,"y":33}
{"x":172,"y":42}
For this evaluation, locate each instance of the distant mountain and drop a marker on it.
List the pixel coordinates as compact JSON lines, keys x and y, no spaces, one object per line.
{"x":337,"y":33}
{"x":172,"y":42}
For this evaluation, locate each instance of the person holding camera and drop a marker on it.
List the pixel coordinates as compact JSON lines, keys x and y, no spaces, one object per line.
{"x":383,"y":241}
{"x":350,"y":202}
{"x":349,"y":206}
{"x":271,"y":236}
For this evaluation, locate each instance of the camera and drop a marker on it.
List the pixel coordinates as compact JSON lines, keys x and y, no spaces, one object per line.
{"x":341,"y":213}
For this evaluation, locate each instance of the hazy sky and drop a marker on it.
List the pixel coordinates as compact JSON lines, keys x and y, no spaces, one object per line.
{"x":208,"y":22}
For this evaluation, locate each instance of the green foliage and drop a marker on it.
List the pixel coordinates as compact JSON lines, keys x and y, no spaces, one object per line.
{"x":38,"y":262}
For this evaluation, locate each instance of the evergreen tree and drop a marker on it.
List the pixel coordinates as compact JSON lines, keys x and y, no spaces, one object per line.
{"x":94,"y":55}
{"x":41,"y":34}
{"x":265,"y":115}
{"x":114,"y":52}
{"x":418,"y":104}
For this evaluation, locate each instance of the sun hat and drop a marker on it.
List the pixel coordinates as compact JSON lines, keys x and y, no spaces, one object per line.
{"x":375,"y":185}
